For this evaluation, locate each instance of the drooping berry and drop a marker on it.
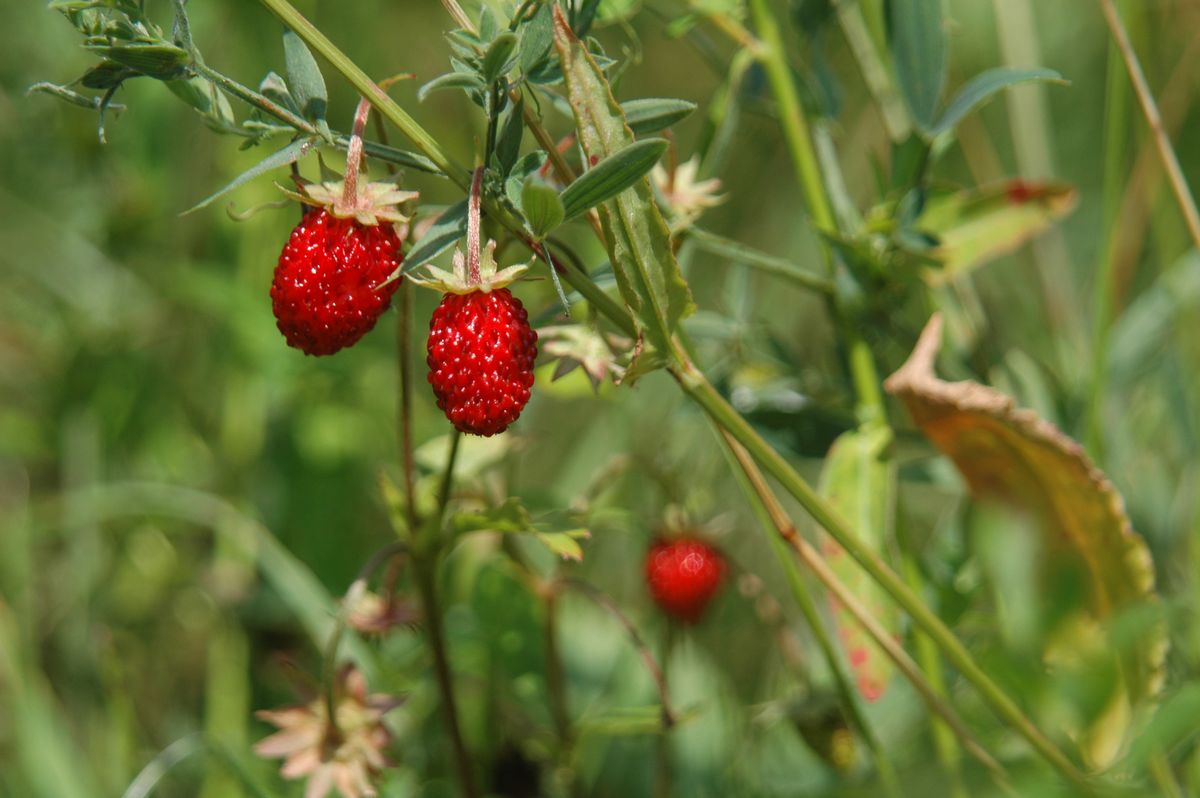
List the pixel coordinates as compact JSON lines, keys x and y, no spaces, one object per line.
{"x":331,"y":286}
{"x":334,"y":276}
{"x":480,"y":353}
{"x":683,"y":575}
{"x":481,"y":348}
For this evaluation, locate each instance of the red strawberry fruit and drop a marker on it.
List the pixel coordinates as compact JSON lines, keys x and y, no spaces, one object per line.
{"x":333,"y":280}
{"x":683,"y":575}
{"x":481,"y":348}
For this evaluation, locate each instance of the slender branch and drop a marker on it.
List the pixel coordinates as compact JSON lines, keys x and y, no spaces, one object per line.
{"x":1183,"y":194}
{"x":700,"y":390}
{"x":773,"y":517}
{"x":426,"y":578}
{"x":404,"y":406}
{"x":635,"y":637}
{"x":768,"y":264}
{"x":359,"y":79}
{"x":426,"y":568}
{"x":816,"y":563}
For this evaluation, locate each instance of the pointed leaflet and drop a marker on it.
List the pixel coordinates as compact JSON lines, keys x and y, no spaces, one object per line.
{"x":608,"y":178}
{"x":981,"y":88}
{"x":1014,"y":457}
{"x":635,"y":233}
{"x":288,"y":155}
{"x":858,"y":480}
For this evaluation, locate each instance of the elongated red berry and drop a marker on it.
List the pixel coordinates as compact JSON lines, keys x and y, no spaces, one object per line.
{"x":683,"y":575}
{"x":480,"y":353}
{"x":331,"y":286}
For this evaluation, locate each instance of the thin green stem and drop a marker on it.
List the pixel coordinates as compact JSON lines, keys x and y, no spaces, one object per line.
{"x":791,"y":115}
{"x":426,"y":578}
{"x":447,"y":483}
{"x":426,"y":563}
{"x":700,"y":390}
{"x":768,"y":264}
{"x":1116,"y":135}
{"x":798,"y":137}
{"x":816,"y":563}
{"x":359,"y":79}
{"x":944,"y":742}
{"x":772,"y":517}
{"x":1179,"y":185}
{"x":404,"y":405}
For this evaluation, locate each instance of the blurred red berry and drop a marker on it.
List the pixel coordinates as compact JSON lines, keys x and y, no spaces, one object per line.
{"x":683,"y":576}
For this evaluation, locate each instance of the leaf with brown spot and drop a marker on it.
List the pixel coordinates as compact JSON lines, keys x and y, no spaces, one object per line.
{"x":1012,"y":456}
{"x":979,"y":225}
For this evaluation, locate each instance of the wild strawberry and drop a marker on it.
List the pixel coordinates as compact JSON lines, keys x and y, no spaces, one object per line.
{"x":481,"y":348}
{"x":333,"y":282}
{"x":683,"y":576}
{"x":481,"y":352}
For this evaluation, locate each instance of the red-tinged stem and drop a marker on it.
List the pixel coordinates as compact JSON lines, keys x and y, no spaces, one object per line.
{"x":473,"y":243}
{"x":354,"y":153}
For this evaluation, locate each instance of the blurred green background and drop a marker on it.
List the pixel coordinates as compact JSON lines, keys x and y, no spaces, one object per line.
{"x":181,"y":494}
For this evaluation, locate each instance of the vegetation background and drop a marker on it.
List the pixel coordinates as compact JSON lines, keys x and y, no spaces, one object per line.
{"x":181,"y":494}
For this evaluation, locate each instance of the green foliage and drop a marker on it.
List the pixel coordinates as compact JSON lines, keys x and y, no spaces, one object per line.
{"x":182,"y":498}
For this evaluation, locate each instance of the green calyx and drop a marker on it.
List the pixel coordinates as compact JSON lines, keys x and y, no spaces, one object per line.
{"x":489,"y":276}
{"x":371,"y":204}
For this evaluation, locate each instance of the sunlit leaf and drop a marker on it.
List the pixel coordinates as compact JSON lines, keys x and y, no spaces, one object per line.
{"x":1012,"y":457}
{"x":979,"y":225}
{"x":611,"y":176}
{"x":654,"y":114}
{"x":304,"y":77}
{"x":858,"y":480}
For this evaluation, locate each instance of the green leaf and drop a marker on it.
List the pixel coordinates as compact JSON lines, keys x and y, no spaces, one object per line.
{"x":652,"y":115}
{"x":612,"y":175}
{"x":511,"y":516}
{"x":468,"y":81}
{"x":859,"y":481}
{"x":635,"y":233}
{"x":499,"y":58}
{"x":508,"y":142}
{"x":541,"y":206}
{"x":918,"y":43}
{"x":981,"y":88}
{"x":450,"y":227}
{"x":565,"y":544}
{"x":288,"y":155}
{"x":536,"y":38}
{"x":155,"y":60}
{"x":529,"y":165}
{"x":304,"y":78}
{"x":979,"y":225}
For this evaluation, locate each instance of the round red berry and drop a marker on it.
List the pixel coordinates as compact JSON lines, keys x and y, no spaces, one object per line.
{"x":481,"y":352}
{"x":683,"y":576}
{"x":329,"y":287}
